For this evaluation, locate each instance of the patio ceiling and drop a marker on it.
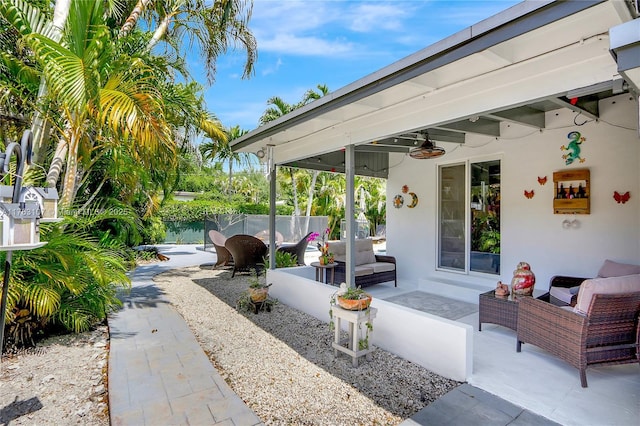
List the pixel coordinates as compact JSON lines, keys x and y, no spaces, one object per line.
{"x":515,"y":67}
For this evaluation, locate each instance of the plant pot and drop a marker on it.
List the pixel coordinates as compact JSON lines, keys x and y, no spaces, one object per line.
{"x":258,"y":294}
{"x":322,"y":260}
{"x":354,"y":304}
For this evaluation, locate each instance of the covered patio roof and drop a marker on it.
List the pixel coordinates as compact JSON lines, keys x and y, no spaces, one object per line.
{"x":512,"y":68}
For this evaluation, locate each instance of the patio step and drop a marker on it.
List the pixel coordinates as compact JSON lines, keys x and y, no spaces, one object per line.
{"x":454,"y":289}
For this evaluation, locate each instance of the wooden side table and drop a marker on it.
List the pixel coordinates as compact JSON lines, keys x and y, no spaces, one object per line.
{"x":354,"y":320}
{"x":324,"y":270}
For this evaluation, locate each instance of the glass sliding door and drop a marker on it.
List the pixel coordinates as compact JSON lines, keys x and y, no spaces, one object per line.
{"x":485,"y":217}
{"x":452,"y":218}
{"x":469,"y":217}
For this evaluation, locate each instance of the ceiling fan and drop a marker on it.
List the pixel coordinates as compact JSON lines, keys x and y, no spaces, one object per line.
{"x":427,"y":150}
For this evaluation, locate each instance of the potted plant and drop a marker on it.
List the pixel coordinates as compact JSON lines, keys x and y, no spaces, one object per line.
{"x":256,"y":297}
{"x":326,"y":257}
{"x":353,"y":299}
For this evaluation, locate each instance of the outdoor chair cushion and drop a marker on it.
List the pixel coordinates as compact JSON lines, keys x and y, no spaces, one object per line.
{"x":378,"y":267}
{"x":615,"y":269}
{"x":363,"y":270}
{"x":565,"y":294}
{"x":610,"y":285}
{"x":363,"y":251}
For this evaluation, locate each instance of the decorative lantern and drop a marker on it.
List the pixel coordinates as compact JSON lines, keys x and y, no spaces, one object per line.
{"x":20,"y":226}
{"x":523,"y":280}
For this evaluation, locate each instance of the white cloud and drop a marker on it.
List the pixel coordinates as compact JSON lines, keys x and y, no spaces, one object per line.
{"x":291,"y":44}
{"x":374,"y":17}
{"x":273,"y":68}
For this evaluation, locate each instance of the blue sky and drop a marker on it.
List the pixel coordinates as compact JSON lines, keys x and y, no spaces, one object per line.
{"x":305,"y":43}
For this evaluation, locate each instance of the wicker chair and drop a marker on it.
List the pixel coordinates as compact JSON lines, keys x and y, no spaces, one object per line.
{"x":608,"y":334}
{"x":298,"y":249}
{"x":248,"y":253}
{"x":223,"y":257}
{"x":264,"y":236}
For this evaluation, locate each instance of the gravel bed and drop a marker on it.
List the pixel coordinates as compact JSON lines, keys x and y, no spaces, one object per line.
{"x":281,"y":362}
{"x":60,"y":382}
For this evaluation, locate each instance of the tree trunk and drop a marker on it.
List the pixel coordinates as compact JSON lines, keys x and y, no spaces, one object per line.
{"x":160,"y":32}
{"x":71,"y":172}
{"x":230,"y":178}
{"x":312,"y":190}
{"x":55,"y":169}
{"x":39,"y":126}
{"x":294,"y":187}
{"x":132,"y":20}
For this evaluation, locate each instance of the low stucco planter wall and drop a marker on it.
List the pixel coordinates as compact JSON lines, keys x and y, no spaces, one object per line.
{"x":438,"y":344}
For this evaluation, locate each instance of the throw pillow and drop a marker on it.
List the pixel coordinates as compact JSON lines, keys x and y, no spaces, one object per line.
{"x":615,"y":269}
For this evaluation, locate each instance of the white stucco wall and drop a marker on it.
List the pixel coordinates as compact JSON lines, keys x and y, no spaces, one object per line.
{"x":440,"y":345}
{"x":530,"y":231}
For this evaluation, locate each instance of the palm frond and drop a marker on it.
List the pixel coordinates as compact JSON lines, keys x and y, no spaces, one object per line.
{"x":26,"y":18}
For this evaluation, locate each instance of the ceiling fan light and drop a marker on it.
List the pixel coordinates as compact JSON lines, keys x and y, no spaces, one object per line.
{"x":426,"y":150}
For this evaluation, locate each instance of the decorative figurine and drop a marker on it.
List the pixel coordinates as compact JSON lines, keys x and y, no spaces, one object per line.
{"x":573,"y":148}
{"x":502,"y":289}
{"x":523,"y":280}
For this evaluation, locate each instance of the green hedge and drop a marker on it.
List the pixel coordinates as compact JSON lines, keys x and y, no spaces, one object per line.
{"x":197,"y":210}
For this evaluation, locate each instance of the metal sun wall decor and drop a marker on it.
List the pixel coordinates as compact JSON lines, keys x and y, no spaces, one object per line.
{"x":573,"y":148}
{"x":621,"y":198}
{"x":398,"y":200}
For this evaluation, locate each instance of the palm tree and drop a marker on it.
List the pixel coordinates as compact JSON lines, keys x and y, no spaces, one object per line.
{"x":220,"y":149}
{"x":213,"y":27}
{"x":279,"y":108}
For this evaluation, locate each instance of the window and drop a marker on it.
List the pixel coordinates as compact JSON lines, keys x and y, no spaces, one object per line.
{"x":469,"y":217}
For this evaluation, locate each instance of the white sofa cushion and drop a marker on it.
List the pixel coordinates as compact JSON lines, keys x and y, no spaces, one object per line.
{"x":610,"y":285}
{"x":380,"y":266}
{"x":363,"y":251}
{"x":363,"y":270}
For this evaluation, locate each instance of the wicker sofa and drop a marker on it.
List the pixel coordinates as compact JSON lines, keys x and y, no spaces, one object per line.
{"x":601,"y":329}
{"x":370,"y":268}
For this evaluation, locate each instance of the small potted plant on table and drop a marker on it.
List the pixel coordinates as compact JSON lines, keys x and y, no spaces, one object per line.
{"x":353,"y":299}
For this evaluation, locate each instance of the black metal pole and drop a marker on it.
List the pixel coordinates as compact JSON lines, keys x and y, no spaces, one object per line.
{"x":5,"y":292}
{"x":23,"y":154}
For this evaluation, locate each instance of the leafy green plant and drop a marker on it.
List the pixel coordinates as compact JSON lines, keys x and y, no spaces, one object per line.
{"x":352,"y":293}
{"x":283,"y":260}
{"x":71,"y":282}
{"x":485,"y":232}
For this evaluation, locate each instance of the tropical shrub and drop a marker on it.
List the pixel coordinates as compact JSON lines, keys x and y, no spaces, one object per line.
{"x":71,"y":283}
{"x":283,"y":260}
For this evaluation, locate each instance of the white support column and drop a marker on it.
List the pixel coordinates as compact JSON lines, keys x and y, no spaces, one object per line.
{"x":349,"y":214}
{"x":271,"y":167}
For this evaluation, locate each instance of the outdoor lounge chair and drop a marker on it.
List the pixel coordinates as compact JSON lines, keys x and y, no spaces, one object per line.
{"x":608,"y":333}
{"x":223,"y":257}
{"x":298,"y":249}
{"x":264,"y":236}
{"x":248,"y":253}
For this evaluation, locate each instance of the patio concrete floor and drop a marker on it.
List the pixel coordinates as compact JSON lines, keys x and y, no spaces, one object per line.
{"x":541,"y":383}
